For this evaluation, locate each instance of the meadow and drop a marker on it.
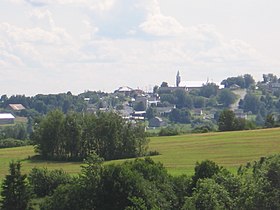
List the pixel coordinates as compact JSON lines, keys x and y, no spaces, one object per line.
{"x":178,"y":154}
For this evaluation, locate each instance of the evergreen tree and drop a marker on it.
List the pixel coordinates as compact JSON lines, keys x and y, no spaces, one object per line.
{"x":14,"y":193}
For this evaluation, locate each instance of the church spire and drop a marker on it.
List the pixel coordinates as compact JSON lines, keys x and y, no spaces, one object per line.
{"x":178,"y":79}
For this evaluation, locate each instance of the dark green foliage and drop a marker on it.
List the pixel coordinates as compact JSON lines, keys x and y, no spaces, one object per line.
{"x":251,"y":103}
{"x":43,"y":182}
{"x":164,"y":84}
{"x":180,"y":116}
{"x":226,"y":97}
{"x":75,"y":136}
{"x":15,"y":194}
{"x":17,"y":131}
{"x":242,"y":81}
{"x":261,"y":184}
{"x":205,"y":169}
{"x":150,"y":113}
{"x":209,"y":195}
{"x":270,"y":121}
{"x":140,"y":106}
{"x":227,"y":121}
{"x":168,"y":131}
{"x":44,"y":103}
{"x":8,"y":143}
{"x":208,"y":90}
{"x":141,"y":184}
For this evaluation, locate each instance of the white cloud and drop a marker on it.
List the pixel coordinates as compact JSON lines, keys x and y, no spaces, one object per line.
{"x":122,"y":40}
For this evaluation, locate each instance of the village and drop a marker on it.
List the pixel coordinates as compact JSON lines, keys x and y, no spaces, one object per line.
{"x":195,"y":104}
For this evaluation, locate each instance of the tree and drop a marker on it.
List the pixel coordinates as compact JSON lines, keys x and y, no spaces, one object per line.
{"x":270,"y":122}
{"x":226,"y":97}
{"x":205,"y":169}
{"x":150,"y":113}
{"x":249,"y":80}
{"x":164,"y":84}
{"x":227,"y":121}
{"x":180,"y":116}
{"x":251,"y":103}
{"x":15,"y":194}
{"x":209,"y":195}
{"x":208,"y":90}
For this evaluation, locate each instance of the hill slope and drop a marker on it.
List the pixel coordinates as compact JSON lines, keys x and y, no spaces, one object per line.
{"x":178,"y":153}
{"x":229,"y":149}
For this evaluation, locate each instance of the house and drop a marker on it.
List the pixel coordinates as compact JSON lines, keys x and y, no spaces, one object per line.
{"x":16,"y":107}
{"x":125,"y":90}
{"x":6,"y":118}
{"x":156,"y":122}
{"x":239,"y":113}
{"x":198,"y":112}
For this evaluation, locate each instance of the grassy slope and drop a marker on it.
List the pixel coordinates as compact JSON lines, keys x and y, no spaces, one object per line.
{"x":179,"y":153}
{"x":229,"y":149}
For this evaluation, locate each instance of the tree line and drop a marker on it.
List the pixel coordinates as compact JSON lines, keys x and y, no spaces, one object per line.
{"x":143,"y":184}
{"x":74,"y":136}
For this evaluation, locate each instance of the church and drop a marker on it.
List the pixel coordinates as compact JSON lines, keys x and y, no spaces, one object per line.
{"x":190,"y":85}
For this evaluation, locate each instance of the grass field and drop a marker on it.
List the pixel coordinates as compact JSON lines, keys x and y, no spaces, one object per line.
{"x":178,"y":153}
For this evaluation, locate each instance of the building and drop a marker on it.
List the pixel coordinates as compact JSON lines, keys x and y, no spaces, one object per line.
{"x":6,"y":118}
{"x":190,"y":85}
{"x":125,"y":90}
{"x":16,"y":107}
{"x":156,"y":122}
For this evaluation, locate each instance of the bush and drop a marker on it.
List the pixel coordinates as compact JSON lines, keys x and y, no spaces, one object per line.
{"x":168,"y":131}
{"x":43,"y":182}
{"x":8,"y":143}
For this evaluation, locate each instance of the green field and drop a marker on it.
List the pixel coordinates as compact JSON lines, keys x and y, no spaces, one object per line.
{"x":178,"y":153}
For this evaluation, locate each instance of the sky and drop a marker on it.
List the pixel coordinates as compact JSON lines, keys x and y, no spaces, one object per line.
{"x":53,"y":46}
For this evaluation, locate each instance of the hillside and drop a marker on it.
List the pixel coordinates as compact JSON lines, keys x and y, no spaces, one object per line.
{"x":229,"y":149}
{"x":178,"y":153}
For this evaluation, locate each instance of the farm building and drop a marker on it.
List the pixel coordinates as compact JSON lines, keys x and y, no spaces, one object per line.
{"x":6,"y":118}
{"x":16,"y":107}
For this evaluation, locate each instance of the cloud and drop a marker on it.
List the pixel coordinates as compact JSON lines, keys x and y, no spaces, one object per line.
{"x":124,"y":41}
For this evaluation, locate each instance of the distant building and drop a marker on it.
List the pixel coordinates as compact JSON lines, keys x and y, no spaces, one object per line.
{"x":239,"y":113}
{"x":188,"y":85}
{"x":16,"y":107}
{"x":156,"y":122}
{"x":125,"y":90}
{"x":6,"y":118}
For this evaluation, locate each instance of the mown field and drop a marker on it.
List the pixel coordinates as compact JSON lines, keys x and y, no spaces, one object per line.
{"x":178,"y":153}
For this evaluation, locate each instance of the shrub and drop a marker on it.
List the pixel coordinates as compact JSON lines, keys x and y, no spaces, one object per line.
{"x":8,"y":143}
{"x":168,"y":131}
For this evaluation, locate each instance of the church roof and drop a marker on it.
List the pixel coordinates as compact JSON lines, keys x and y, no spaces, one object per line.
{"x":192,"y":84}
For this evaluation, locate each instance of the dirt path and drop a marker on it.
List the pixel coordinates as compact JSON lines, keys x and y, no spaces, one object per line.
{"x":240,"y":95}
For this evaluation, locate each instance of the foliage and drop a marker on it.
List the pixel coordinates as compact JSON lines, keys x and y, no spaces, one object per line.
{"x":251,"y":103}
{"x":227,"y":121}
{"x":141,"y":183}
{"x":209,"y":90}
{"x":168,"y":131}
{"x":242,"y":81}
{"x":8,"y":143}
{"x":150,"y":113}
{"x":226,"y":97}
{"x":43,"y":182}
{"x":205,"y":169}
{"x":45,"y":103}
{"x":17,"y":131}
{"x":15,"y":194}
{"x":180,"y":116}
{"x":75,"y":136}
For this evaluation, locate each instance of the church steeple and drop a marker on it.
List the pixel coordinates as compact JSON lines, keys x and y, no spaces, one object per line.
{"x":178,"y":79}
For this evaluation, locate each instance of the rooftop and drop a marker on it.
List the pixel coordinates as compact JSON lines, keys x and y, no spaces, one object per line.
{"x":6,"y":116}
